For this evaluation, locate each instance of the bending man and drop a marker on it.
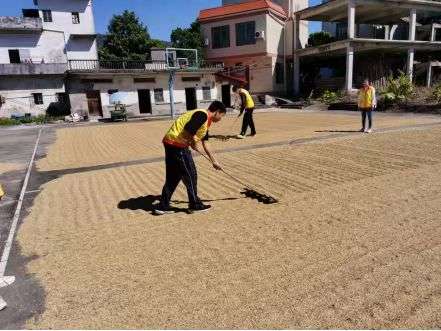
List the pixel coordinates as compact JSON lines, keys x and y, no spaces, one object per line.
{"x":247,"y":106}
{"x":189,"y":130}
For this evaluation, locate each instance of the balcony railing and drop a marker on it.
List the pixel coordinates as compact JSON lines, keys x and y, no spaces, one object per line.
{"x":23,"y":24}
{"x":33,"y":69}
{"x":97,"y":65}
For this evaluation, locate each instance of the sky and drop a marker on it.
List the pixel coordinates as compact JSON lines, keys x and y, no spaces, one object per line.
{"x":160,"y":17}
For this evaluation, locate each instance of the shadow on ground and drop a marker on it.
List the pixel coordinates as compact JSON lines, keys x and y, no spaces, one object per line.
{"x":148,"y":203}
{"x":339,"y":131}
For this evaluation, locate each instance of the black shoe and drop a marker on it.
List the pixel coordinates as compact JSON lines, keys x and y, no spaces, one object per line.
{"x":198,"y":208}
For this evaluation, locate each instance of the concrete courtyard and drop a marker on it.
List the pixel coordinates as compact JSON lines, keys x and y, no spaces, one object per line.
{"x":354,"y":242}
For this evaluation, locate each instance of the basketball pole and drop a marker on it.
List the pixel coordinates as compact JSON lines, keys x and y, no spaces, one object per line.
{"x":171,"y":90}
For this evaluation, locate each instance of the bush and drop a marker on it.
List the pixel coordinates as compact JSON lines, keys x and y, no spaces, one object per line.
{"x":8,"y":121}
{"x":398,"y":89}
{"x":436,"y":94}
{"x":40,"y":119}
{"x":330,"y":97}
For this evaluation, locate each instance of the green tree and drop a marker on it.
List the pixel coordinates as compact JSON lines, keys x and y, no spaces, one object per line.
{"x":319,"y":38}
{"x":127,"y":38}
{"x":188,"y":38}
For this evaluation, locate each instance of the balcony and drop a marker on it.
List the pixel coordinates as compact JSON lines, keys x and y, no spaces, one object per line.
{"x":133,"y":66}
{"x":20,"y":24}
{"x":32,"y":69}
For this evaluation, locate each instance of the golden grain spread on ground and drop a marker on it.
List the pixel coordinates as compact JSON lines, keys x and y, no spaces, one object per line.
{"x":98,"y":145}
{"x":354,"y":243}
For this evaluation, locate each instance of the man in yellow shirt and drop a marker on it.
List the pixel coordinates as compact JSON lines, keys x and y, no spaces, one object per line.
{"x":367,"y":102}
{"x":189,"y":130}
{"x":247,"y":106}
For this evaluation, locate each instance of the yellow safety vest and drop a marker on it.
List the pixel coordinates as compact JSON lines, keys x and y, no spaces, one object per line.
{"x":366,"y":97}
{"x":249,"y":102}
{"x":175,"y":135}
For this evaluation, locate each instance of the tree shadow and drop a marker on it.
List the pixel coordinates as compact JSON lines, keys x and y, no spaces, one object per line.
{"x":148,"y":203}
{"x":339,"y":131}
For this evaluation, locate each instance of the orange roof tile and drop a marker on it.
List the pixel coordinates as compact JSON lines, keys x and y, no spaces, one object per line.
{"x":240,"y":8}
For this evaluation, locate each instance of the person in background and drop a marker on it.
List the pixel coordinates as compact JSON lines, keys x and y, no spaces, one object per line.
{"x":247,"y":106}
{"x":189,"y":130}
{"x":367,"y":102}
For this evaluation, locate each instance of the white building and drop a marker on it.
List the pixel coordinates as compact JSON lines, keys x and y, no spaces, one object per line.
{"x":35,"y":50}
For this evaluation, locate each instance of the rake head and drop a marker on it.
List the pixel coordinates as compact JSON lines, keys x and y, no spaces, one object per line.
{"x":262,"y":198}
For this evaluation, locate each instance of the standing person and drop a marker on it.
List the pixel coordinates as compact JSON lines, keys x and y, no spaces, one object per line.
{"x":247,"y":105}
{"x":367,"y":102}
{"x":189,"y":130}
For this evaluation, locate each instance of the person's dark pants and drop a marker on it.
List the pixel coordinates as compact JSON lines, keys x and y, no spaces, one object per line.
{"x":366,"y":112}
{"x":179,"y":165}
{"x":248,"y":122}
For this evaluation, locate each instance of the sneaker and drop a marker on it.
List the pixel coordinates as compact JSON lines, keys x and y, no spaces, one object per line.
{"x":162,"y":211}
{"x":198,"y":208}
{"x":362,"y":130}
{"x":240,"y":136}
{"x":253,"y":134}
{"x":369,"y":131}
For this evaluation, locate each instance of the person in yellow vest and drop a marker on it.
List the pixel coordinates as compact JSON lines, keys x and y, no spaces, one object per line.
{"x":189,"y":130}
{"x":247,"y":106}
{"x":367,"y":102}
{"x":2,"y":192}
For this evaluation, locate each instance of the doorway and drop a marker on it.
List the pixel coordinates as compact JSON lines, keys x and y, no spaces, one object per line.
{"x":94,"y":103}
{"x":226,"y":95}
{"x":14,"y":56}
{"x":145,"y":103}
{"x":190,"y":97}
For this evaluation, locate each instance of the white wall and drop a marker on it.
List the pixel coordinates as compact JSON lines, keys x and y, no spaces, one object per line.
{"x":127,"y":84}
{"x":18,"y":93}
{"x":47,"y":46}
{"x":233,"y":50}
{"x":62,"y":16}
{"x":83,"y":48}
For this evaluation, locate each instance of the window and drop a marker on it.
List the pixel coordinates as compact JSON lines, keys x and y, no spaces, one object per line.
{"x":47,"y":15}
{"x":206,"y":93}
{"x":159,"y":95}
{"x":279,"y":73}
{"x":245,"y":33}
{"x":14,"y":56}
{"x":76,"y":18}
{"x":38,"y":98}
{"x":61,"y":98}
{"x":191,"y":79}
{"x":113,"y":91}
{"x":144,"y":80}
{"x":220,"y":36}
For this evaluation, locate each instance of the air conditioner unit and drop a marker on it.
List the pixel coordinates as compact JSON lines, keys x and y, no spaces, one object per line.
{"x":207,"y":42}
{"x":260,"y":34}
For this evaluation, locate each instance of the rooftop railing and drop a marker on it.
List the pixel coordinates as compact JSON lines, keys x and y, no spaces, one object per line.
{"x":98,"y":65}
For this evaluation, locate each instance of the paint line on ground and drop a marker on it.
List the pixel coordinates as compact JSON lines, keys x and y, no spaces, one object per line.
{"x":9,"y":241}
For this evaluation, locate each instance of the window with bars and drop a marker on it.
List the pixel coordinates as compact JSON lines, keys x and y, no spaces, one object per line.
{"x":47,"y":15}
{"x":220,"y":36}
{"x":76,"y":18}
{"x":38,"y":98}
{"x":159,"y":95}
{"x":206,"y":93}
{"x":245,"y":33}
